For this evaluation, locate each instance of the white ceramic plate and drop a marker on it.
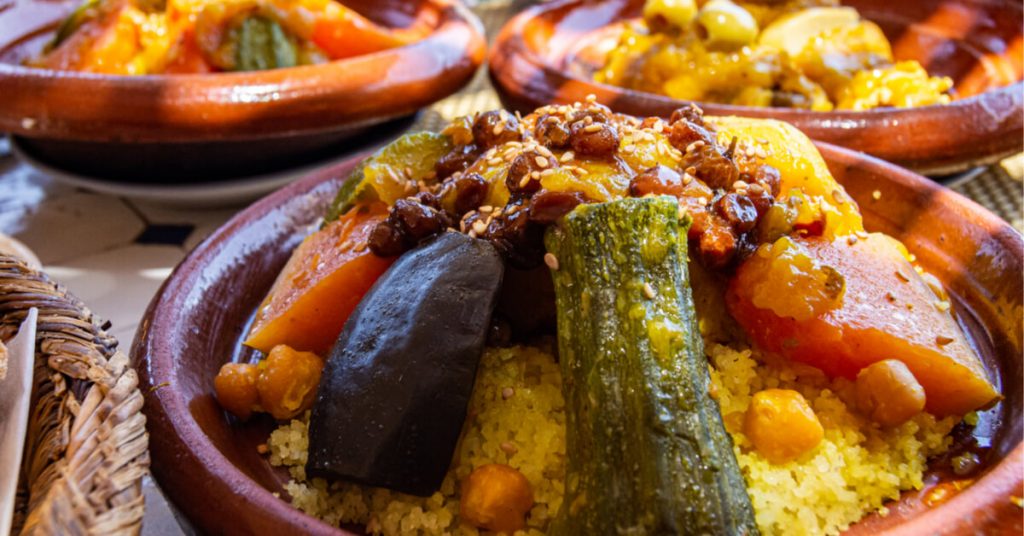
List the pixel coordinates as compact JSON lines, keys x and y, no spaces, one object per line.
{"x":205,"y":194}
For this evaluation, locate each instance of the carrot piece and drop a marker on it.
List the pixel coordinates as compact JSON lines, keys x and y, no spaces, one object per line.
{"x":343,"y":33}
{"x":887,"y":311}
{"x":324,"y":280}
{"x":187,"y":58}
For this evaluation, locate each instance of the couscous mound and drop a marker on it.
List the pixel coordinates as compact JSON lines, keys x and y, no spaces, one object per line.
{"x":516,"y":417}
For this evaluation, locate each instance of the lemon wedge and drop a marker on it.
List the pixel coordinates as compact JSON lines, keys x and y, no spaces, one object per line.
{"x":793,"y":31}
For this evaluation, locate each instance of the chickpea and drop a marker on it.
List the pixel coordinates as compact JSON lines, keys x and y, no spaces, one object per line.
{"x":496,"y":497}
{"x":728,"y":26}
{"x":671,"y":13}
{"x":888,"y":393}
{"x":781,"y":425}
{"x":288,"y":381}
{"x":235,"y":386}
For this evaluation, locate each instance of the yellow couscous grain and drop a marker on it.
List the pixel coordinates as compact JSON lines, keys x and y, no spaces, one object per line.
{"x":517,"y":402}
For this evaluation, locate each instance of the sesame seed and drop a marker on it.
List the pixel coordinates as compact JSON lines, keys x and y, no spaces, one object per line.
{"x":591,"y":97}
{"x":507,"y":393}
{"x":567,"y":156}
{"x":508,"y":448}
{"x":545,"y":151}
{"x":535,"y":175}
{"x":590,"y":129}
{"x":943,"y":340}
{"x":541,"y":162}
{"x":942,"y":305}
{"x":588,"y":120}
{"x":485,"y":209}
{"x":346,"y":245}
{"x":739,"y":185}
{"x":498,"y":128}
{"x":649,"y":291}
{"x":525,"y":180}
{"x":471,"y":233}
{"x":360,"y":247}
{"x":694,"y":146}
{"x":497,"y":213}
{"x":494,"y":161}
{"x":547,"y":172}
{"x":551,"y":261}
{"x":876,"y":195}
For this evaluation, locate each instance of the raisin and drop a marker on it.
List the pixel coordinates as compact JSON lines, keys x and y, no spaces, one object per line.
{"x":521,"y":180}
{"x":711,"y":167}
{"x":768,"y":177}
{"x":470,"y":191}
{"x":495,"y":128}
{"x":717,"y":245}
{"x":458,"y":159}
{"x":684,"y":133}
{"x":689,"y":113}
{"x":596,"y":139}
{"x":737,"y":211}
{"x":658,"y":180}
{"x":546,"y":206}
{"x":518,"y":239}
{"x":552,"y":132}
{"x":386,"y":240}
{"x":417,"y":221}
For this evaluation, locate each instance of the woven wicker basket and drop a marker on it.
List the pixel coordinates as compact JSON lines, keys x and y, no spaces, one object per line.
{"x":87,"y":448}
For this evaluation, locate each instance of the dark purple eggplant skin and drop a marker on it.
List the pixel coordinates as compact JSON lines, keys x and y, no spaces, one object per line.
{"x":394,"y":392}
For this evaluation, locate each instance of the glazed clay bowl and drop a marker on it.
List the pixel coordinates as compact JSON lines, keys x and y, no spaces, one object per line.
{"x":548,"y":53}
{"x":209,"y":466}
{"x":196,"y":127}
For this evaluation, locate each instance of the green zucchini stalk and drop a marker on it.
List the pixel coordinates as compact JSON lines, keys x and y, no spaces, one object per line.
{"x":646,"y":449}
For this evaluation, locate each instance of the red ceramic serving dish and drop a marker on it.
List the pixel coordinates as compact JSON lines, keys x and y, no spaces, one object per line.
{"x":548,"y":53}
{"x":209,"y":465}
{"x":246,"y":118}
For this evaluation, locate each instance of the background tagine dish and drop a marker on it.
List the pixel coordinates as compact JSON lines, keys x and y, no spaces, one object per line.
{"x":813,"y":55}
{"x":184,"y":36}
{"x":661,"y":324}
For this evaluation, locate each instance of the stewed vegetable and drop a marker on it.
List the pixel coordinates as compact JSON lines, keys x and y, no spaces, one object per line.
{"x":648,"y":451}
{"x":394,"y":394}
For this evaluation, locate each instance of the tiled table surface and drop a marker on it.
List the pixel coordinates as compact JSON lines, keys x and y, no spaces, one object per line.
{"x":114,"y":253}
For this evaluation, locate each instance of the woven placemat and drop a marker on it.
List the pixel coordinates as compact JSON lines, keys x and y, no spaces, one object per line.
{"x":998,"y":188}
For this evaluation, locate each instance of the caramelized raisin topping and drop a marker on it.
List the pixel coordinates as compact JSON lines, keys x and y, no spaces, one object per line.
{"x":596,"y":139}
{"x":457,"y":160}
{"x":546,"y":207}
{"x":552,"y":132}
{"x":495,"y":128}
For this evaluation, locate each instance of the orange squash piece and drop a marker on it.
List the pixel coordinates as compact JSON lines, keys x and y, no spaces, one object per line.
{"x":324,"y":280}
{"x":886,"y":311}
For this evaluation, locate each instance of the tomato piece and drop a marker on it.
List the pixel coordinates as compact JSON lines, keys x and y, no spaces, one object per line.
{"x":887,"y":311}
{"x":324,"y":280}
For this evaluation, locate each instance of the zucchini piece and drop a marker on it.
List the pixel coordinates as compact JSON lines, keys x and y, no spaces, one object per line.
{"x":647,"y":451}
{"x":383,"y":176}
{"x":262,"y":44}
{"x":393,"y":396}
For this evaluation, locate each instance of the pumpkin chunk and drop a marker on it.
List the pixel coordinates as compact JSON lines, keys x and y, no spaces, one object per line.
{"x":887,"y":311}
{"x":322,"y":283}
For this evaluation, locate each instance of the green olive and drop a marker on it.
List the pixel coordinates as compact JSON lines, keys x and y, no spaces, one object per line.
{"x":662,"y":14}
{"x":728,"y":26}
